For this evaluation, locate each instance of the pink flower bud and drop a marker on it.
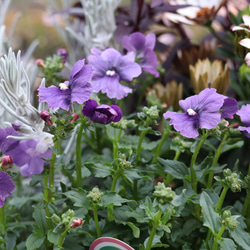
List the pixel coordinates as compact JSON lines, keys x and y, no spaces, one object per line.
{"x":75,"y":116}
{"x":76,"y":223}
{"x":6,"y":162}
{"x":40,"y":63}
{"x":45,"y":115}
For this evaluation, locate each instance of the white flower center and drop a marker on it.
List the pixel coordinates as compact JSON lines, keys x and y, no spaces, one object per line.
{"x":191,"y":112}
{"x":63,"y":86}
{"x":110,"y":72}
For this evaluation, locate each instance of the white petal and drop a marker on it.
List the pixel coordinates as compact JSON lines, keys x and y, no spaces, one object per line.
{"x":245,"y":43}
{"x":190,"y":12}
{"x":246,"y":20}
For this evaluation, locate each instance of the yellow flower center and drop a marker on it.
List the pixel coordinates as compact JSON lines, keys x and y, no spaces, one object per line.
{"x":202,"y":12}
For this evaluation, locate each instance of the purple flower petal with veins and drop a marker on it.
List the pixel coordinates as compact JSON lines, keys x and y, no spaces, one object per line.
{"x":110,"y":68}
{"x":244,"y":114}
{"x":77,"y":89}
{"x":201,"y":111}
{"x":142,"y":46}
{"x":6,"y":187}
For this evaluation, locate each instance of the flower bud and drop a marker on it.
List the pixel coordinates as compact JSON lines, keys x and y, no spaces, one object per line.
{"x":40,"y":63}
{"x":55,"y":219}
{"x":62,"y":53}
{"x":6,"y":162}
{"x":76,"y":223}
{"x":95,"y":194}
{"x":45,"y":115}
{"x":75,"y":116}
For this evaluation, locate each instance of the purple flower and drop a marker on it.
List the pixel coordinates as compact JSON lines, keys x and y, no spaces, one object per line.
{"x":201,"y":111}
{"x":244,"y":114}
{"x":6,"y":187}
{"x":77,"y":89}
{"x":143,"y":47}
{"x":63,"y":53}
{"x":101,"y":113}
{"x":26,"y":154}
{"x":110,"y":68}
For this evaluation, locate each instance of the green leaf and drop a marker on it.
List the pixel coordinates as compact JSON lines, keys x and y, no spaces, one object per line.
{"x":79,"y":198}
{"x":10,"y":240}
{"x":135,"y":229}
{"x":112,"y":133}
{"x":226,"y":244}
{"x":98,"y":169}
{"x":177,"y":169}
{"x":112,"y":198}
{"x":34,"y":241}
{"x":40,"y":218}
{"x":210,"y":218}
{"x":232,"y":143}
{"x":53,"y":237}
{"x":241,"y":237}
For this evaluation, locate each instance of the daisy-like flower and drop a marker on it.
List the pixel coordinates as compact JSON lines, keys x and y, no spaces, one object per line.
{"x":143,"y":47}
{"x":110,"y":68}
{"x":244,"y":114}
{"x":6,"y":187}
{"x":201,"y":111}
{"x":77,"y":89}
{"x":199,"y":12}
{"x":101,"y":113}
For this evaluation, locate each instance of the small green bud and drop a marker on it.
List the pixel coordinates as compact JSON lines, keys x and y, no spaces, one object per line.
{"x":95,"y":194}
{"x":55,"y":219}
{"x":165,"y":194}
{"x":226,"y":214}
{"x":67,"y":216}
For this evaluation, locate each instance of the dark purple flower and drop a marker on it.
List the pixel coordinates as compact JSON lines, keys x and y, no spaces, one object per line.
{"x":62,"y":53}
{"x":201,"y":111}
{"x":6,"y":187}
{"x":244,"y":114}
{"x":143,"y":47}
{"x":101,"y":113}
{"x":110,"y":68}
{"x":77,"y":89}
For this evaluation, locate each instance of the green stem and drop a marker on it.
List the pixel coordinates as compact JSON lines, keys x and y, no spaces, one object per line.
{"x":194,"y":157}
{"x":2,"y":219}
{"x":158,"y":149}
{"x":215,"y":160}
{"x":219,"y":38}
{"x":115,"y":178}
{"x":218,"y":237}
{"x":115,"y":144}
{"x":222,"y":198}
{"x":52,"y":175}
{"x":79,"y":154}
{"x":153,"y":231}
{"x":62,"y":237}
{"x":142,"y":135}
{"x":97,"y":226}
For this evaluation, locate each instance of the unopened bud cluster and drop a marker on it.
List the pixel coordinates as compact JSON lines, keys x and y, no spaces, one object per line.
{"x":95,"y":194}
{"x":152,"y":112}
{"x":229,"y":220}
{"x":163,"y":193}
{"x":6,"y":162}
{"x":123,"y":163}
{"x":233,"y":180}
{"x":124,"y":124}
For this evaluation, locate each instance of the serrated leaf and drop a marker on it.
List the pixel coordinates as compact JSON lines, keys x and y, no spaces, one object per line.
{"x":177,"y":169}
{"x":210,"y":218}
{"x":79,"y":198}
